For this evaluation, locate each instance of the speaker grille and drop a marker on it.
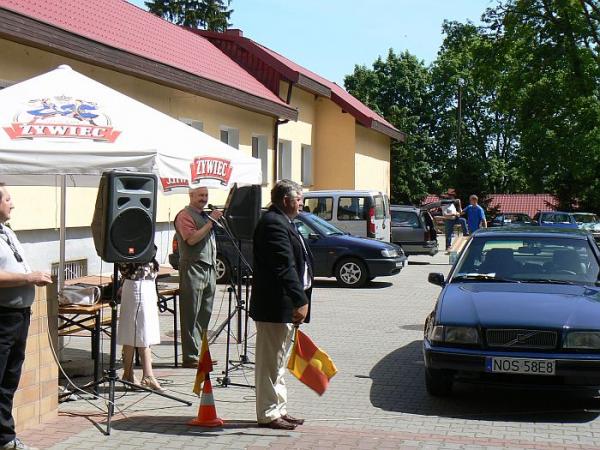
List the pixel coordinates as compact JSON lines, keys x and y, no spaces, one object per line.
{"x":132,"y":232}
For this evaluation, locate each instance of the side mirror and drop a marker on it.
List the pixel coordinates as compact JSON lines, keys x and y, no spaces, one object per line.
{"x":313,"y":236}
{"x":437,"y":279}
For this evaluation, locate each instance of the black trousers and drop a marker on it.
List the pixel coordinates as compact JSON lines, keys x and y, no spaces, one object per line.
{"x":14,"y":325}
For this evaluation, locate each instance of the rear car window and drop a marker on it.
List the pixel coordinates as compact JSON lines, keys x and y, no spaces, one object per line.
{"x":353,"y":208}
{"x":319,"y":206}
{"x":405,"y":219}
{"x":379,"y":207}
{"x":556,"y":218}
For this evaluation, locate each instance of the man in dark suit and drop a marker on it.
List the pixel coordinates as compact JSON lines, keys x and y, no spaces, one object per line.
{"x":281,"y":290}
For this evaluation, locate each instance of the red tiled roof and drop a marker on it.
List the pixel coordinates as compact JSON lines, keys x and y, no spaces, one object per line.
{"x":526,"y":203}
{"x":516,"y":203}
{"x":291,"y":70}
{"x":124,"y":26}
{"x":342,"y":98}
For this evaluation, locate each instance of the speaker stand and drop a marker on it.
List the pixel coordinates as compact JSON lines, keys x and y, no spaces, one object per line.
{"x":111,"y":373}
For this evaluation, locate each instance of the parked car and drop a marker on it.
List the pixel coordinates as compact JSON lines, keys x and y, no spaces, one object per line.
{"x":361,"y":213}
{"x":589,"y":222}
{"x":558,"y":219}
{"x":519,"y":308}
{"x":414,"y":230}
{"x":352,"y":260}
{"x":510,"y":219}
{"x":227,"y":255}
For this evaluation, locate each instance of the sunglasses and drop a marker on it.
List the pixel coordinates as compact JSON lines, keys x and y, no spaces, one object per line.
{"x":12,"y":246}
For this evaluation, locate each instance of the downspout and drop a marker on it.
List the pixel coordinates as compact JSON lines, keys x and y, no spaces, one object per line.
{"x":276,"y":135}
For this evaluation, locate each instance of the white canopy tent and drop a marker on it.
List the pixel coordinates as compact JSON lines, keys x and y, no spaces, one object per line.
{"x":65,"y":124}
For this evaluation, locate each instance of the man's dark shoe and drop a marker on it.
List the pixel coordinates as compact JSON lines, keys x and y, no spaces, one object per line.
{"x":292,"y":420}
{"x":278,"y":424}
{"x":193,"y":364}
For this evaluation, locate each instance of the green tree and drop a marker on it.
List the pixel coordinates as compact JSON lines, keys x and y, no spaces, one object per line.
{"x":397,"y":88}
{"x":484,"y":158}
{"x":211,"y":15}
{"x":552,"y":85}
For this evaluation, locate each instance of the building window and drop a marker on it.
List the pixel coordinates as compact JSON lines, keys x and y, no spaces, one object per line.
{"x":260,"y":151}
{"x":73,"y":269}
{"x":196,"y":124}
{"x":230,"y":136}
{"x":307,"y":165}
{"x":284,"y":160}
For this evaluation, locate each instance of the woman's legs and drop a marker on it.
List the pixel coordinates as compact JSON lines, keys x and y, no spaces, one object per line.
{"x":146,"y":357}
{"x":128,"y":362}
{"x":148,"y":380}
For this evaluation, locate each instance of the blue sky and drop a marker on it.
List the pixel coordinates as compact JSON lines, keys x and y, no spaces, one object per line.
{"x":330,"y":36}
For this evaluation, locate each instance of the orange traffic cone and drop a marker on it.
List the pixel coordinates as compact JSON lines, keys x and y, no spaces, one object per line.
{"x":207,"y":413}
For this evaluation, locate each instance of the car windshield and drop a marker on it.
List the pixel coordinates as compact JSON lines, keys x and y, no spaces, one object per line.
{"x":322,"y":226}
{"x":516,"y":218}
{"x":556,"y":218}
{"x":528,"y":259}
{"x":586,"y":218}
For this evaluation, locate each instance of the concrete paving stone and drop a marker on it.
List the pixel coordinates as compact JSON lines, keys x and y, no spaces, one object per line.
{"x":373,"y":335}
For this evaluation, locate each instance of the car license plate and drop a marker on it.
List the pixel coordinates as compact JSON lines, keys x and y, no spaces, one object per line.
{"x":521,"y":366}
{"x":400,"y":264}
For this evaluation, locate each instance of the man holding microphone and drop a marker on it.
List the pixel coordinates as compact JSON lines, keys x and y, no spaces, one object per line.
{"x":197,"y":276}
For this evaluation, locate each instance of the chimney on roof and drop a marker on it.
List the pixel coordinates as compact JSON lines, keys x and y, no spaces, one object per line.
{"x":234,"y":32}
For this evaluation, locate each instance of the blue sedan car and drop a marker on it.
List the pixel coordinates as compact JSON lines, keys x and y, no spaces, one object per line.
{"x":352,"y":260}
{"x":520,"y":307}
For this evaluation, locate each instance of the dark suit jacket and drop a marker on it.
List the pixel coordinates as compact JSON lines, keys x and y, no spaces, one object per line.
{"x":278,"y":270}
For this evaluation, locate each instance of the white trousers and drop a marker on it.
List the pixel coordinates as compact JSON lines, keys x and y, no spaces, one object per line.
{"x":273,"y":347}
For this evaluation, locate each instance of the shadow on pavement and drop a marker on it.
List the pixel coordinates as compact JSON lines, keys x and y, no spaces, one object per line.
{"x":320,"y":283}
{"x":399,"y":386}
{"x":177,"y":425}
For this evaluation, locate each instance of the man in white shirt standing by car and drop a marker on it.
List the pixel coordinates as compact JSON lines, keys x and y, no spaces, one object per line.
{"x":451,"y":218}
{"x":17,"y":292}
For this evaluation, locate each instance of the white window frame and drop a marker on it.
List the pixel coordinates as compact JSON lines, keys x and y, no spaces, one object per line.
{"x":284,"y":160}
{"x":306,"y":162}
{"x":260,"y":150}
{"x":196,"y":124}
{"x":233,"y":136}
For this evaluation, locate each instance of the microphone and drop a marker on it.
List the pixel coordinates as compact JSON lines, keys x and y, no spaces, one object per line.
{"x":216,"y":222}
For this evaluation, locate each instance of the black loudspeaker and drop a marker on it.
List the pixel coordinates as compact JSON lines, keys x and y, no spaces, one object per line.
{"x":125,"y":216}
{"x":242,"y":211}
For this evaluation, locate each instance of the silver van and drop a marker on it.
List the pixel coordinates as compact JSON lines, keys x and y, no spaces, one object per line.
{"x":361,"y":213}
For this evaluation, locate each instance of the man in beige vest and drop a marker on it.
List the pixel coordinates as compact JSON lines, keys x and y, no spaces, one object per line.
{"x":197,"y":276}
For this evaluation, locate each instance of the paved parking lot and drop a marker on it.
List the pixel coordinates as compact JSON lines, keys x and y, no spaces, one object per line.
{"x":377,"y":400}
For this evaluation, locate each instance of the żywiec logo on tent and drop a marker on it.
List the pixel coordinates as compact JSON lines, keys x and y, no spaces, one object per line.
{"x":208,"y":168}
{"x":169,"y":184}
{"x":62,"y":117}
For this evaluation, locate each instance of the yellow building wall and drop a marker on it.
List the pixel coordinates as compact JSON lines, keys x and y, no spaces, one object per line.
{"x":372,"y":168}
{"x":335,"y":144}
{"x":41,"y":205}
{"x":299,"y":132}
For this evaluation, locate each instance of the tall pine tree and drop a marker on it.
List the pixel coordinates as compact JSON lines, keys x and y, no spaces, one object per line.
{"x":211,"y":15}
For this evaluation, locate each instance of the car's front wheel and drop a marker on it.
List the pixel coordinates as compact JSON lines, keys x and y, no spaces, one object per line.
{"x":351,"y":272}
{"x":438,"y":382}
{"x":222,"y":269}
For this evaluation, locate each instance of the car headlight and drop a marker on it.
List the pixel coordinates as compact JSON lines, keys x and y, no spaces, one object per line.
{"x":589,"y":340}
{"x":389,"y":253}
{"x":453,"y":335}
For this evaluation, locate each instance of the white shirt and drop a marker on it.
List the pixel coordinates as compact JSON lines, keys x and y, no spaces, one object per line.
{"x":449,"y":209}
{"x":307,"y":283}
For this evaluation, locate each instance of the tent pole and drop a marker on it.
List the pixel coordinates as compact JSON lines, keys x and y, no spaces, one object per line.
{"x":63,"y":232}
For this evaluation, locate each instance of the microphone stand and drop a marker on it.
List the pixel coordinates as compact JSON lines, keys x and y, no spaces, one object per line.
{"x":241,"y":305}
